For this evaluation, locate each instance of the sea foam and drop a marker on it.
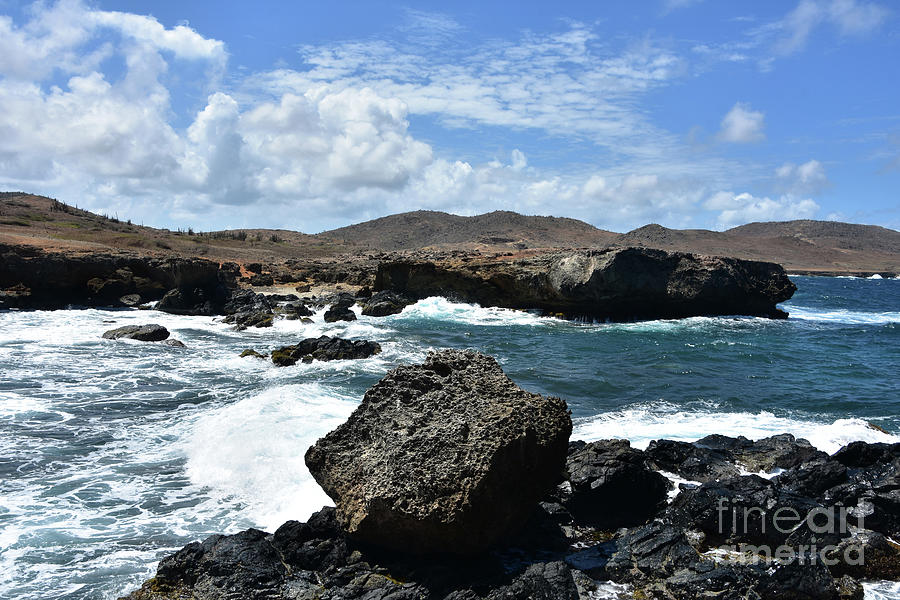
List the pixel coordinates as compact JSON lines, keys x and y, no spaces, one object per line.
{"x":644,"y":423}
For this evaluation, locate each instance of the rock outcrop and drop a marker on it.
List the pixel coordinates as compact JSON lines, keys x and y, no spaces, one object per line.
{"x":340,"y":309}
{"x":616,"y":284}
{"x":444,"y":457}
{"x":384,"y":303}
{"x":143,"y":333}
{"x":33,"y":278}
{"x":324,"y":348}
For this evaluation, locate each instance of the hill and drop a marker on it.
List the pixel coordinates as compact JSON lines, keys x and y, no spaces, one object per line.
{"x":426,"y":229}
{"x":801,"y":246}
{"x":53,"y":225}
{"x":826,"y":247}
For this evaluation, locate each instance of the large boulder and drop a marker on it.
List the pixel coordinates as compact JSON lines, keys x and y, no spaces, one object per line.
{"x":443,"y":457}
{"x":143,"y":333}
{"x":615,"y":283}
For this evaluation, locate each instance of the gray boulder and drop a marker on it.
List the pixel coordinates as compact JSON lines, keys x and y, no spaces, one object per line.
{"x":143,"y":333}
{"x":385,"y":303}
{"x":443,"y":457}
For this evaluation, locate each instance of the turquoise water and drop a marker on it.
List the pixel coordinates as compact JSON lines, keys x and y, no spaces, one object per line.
{"x":115,"y":453}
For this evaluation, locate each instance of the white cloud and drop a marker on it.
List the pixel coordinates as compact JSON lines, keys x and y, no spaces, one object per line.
{"x":566,"y":84}
{"x":807,"y":178}
{"x":742,"y":125}
{"x":849,"y":17}
{"x":736,"y":209}
{"x":518,"y":161}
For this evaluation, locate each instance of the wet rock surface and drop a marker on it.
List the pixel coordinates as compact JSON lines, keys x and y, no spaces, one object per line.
{"x":324,"y":348}
{"x":384,"y":303}
{"x":143,"y":333}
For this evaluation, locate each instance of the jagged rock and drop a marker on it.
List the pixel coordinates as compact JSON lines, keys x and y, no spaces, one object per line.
{"x":251,"y":352}
{"x":447,"y":456}
{"x":814,"y":478}
{"x":262,"y":279}
{"x":782,"y":451}
{"x":691,"y":461}
{"x":340,"y":309}
{"x":617,"y":283}
{"x":174,"y":343}
{"x":295,"y":310}
{"x":652,"y":551}
{"x":324,"y":348}
{"x":385,"y":303}
{"x":143,"y":333}
{"x":863,"y":454}
{"x":243,"y":320}
{"x":740,"y":510}
{"x":34,"y":278}
{"x":130,"y":300}
{"x":246,"y":308}
{"x":612,"y":485}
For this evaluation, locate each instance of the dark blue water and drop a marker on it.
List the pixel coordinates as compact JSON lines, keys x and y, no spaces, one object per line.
{"x":115,"y":453}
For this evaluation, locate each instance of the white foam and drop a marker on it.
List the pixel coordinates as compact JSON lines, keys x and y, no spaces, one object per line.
{"x":660,"y":420}
{"x":608,"y":590}
{"x":441,"y":309}
{"x":875,"y":276}
{"x":252,"y":450}
{"x":850,"y":317}
{"x":881,"y":590}
{"x":676,"y":481}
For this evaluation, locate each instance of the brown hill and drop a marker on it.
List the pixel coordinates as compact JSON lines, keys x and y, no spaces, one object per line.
{"x":426,"y":228}
{"x":801,"y":246}
{"x":53,"y":225}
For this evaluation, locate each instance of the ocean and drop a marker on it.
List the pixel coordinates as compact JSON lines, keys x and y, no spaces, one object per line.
{"x":116,"y":453}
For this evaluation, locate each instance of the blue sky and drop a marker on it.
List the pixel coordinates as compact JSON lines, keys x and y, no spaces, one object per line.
{"x":308,"y":116}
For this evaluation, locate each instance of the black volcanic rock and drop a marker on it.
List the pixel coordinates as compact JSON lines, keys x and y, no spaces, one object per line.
{"x":612,"y":485}
{"x":618,"y":284}
{"x":143,"y":333}
{"x":33,"y":278}
{"x":324,"y":348}
{"x":444,"y":457}
{"x":384,"y":303}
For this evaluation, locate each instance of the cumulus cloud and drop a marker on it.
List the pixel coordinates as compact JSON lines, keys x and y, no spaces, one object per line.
{"x":807,"y":178}
{"x":331,"y":143}
{"x":736,"y":209}
{"x":742,"y":124}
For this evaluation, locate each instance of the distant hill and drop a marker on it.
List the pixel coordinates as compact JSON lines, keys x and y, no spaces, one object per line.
{"x":426,"y":228}
{"x":801,"y":246}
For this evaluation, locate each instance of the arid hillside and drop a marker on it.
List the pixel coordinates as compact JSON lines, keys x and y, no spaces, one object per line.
{"x":801,"y":246}
{"x":425,"y":228}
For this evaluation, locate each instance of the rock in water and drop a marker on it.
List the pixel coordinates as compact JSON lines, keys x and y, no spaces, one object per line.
{"x":143,"y":333}
{"x":443,"y":457}
{"x":616,"y":283}
{"x":324,"y":348}
{"x":385,"y":303}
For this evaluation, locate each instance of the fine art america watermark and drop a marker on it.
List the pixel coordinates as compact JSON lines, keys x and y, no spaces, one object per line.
{"x":823,"y":524}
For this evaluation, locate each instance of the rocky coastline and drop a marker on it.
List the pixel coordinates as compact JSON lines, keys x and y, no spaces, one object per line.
{"x":450,"y":446}
{"x":614,"y":284}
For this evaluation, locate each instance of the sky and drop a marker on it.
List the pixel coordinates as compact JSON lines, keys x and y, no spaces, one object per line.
{"x":315,"y":115}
